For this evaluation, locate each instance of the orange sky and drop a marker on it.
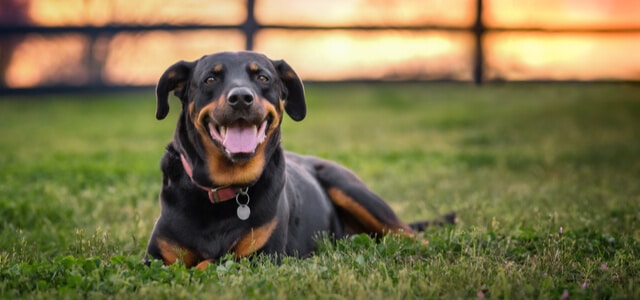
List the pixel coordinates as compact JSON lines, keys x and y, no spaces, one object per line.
{"x":139,"y":58}
{"x":502,"y":13}
{"x":563,"y":13}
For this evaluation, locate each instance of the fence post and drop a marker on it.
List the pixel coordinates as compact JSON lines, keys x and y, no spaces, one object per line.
{"x":250,"y":26}
{"x":478,"y":55}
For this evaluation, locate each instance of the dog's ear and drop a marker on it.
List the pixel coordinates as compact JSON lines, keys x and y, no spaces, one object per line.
{"x":293,"y":91}
{"x":175,"y":78}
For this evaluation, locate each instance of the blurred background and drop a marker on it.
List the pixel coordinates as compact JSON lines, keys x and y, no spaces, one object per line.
{"x":48,"y":45}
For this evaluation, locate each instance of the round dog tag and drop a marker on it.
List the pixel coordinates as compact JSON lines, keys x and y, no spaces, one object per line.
{"x":243,"y":212}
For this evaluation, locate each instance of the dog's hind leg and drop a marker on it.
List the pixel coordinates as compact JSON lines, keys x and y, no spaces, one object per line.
{"x":360,"y":209}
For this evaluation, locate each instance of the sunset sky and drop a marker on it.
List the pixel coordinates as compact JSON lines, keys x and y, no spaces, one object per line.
{"x":139,"y":58}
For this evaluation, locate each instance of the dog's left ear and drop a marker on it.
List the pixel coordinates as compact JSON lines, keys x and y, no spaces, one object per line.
{"x":176,"y":79}
{"x":293,"y":91}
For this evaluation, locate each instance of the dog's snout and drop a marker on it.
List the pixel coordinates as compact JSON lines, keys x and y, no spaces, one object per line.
{"x":240,"y":97}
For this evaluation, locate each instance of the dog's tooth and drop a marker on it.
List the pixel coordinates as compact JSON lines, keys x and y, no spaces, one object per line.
{"x":261,"y":132}
{"x":223,"y":132}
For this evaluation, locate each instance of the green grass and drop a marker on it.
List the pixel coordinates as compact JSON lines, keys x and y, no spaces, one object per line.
{"x":545,"y":179}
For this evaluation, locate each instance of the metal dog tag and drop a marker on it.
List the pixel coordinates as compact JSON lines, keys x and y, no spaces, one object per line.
{"x":243,"y":212}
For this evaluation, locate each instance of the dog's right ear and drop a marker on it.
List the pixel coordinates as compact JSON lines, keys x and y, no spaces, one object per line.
{"x":175,"y":78}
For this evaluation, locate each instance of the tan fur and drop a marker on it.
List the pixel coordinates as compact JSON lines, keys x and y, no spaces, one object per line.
{"x":204,"y":264}
{"x":363,"y":216}
{"x":171,"y":252}
{"x":253,"y":67}
{"x":255,"y":239}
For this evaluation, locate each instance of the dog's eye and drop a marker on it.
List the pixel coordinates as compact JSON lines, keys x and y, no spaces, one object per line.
{"x":263,"y":78}
{"x":210,"y":80}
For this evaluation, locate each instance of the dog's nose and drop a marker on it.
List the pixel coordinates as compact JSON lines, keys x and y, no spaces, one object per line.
{"x":240,"y":97}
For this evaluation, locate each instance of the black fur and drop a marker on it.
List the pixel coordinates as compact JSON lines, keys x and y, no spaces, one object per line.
{"x":303,"y":196}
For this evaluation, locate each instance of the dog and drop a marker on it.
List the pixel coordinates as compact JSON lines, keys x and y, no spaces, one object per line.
{"x":227,"y":184}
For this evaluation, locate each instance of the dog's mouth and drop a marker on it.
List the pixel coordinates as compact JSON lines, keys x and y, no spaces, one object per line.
{"x":239,"y":139}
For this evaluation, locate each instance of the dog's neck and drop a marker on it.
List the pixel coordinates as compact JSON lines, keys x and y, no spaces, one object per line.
{"x":274,"y":178}
{"x":216,"y":195}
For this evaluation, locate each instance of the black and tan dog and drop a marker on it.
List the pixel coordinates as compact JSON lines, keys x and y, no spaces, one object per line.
{"x":228,"y":186}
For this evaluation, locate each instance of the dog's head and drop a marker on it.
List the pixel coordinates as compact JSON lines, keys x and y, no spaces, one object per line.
{"x":232,"y":107}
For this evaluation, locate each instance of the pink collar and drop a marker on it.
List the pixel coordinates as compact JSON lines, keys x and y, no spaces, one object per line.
{"x":216,"y":195}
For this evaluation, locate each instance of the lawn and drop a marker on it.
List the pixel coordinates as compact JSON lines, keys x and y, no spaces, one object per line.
{"x":545,"y":179}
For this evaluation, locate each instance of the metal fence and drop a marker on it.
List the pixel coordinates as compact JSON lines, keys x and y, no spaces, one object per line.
{"x":250,"y":27}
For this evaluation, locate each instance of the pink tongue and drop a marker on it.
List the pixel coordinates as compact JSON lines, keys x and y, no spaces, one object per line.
{"x":241,"y":139}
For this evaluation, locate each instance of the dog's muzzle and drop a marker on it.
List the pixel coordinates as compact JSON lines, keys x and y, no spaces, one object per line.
{"x":240,"y":125}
